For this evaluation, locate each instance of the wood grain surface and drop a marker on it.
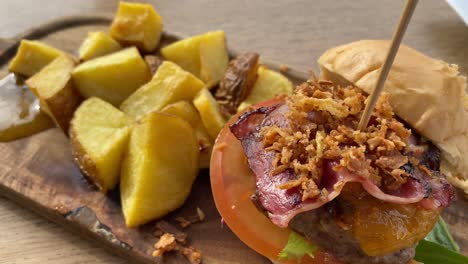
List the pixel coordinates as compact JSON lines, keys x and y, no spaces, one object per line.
{"x":292,"y":32}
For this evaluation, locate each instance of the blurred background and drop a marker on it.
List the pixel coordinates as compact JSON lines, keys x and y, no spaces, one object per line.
{"x":293,"y":33}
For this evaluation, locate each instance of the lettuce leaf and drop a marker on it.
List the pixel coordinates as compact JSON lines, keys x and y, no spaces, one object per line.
{"x":440,"y":234}
{"x":439,"y":247}
{"x":429,"y":252}
{"x":296,"y":248}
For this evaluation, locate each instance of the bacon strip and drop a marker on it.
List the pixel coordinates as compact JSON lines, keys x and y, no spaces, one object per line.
{"x":283,"y":205}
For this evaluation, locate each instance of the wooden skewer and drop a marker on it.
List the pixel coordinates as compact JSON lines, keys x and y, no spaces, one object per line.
{"x":396,"y":41}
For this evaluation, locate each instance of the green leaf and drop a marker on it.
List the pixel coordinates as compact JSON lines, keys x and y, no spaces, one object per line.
{"x":296,"y":248}
{"x":440,"y":234}
{"x":429,"y":252}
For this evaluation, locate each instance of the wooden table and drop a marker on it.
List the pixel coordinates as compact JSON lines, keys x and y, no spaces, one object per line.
{"x":294,"y":33}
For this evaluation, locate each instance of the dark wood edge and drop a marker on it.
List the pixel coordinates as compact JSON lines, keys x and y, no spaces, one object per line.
{"x":75,"y":227}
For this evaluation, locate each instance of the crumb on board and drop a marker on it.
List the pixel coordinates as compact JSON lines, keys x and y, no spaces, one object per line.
{"x":165,"y":227}
{"x":185,"y":222}
{"x":201,"y":214}
{"x":193,"y":255}
{"x":172,"y":239}
{"x":166,"y":243}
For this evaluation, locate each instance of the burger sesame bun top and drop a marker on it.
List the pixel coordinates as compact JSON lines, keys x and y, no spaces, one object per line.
{"x":428,"y":94}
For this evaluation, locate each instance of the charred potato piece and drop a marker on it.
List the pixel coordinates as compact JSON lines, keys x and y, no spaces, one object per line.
{"x":99,"y":135}
{"x":159,"y":168}
{"x":204,"y":55}
{"x":97,"y":44}
{"x":186,"y":111}
{"x":32,"y":56}
{"x":209,"y":112}
{"x":112,"y":77}
{"x":268,"y":85}
{"x":137,"y":24}
{"x":237,"y":82}
{"x":53,"y":86}
{"x":170,"y":84}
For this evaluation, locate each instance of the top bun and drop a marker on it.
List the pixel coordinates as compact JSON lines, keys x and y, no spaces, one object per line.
{"x":428,"y":94}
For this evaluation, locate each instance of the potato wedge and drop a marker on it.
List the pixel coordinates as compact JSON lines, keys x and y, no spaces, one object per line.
{"x":159,"y":168}
{"x":209,"y":112}
{"x":57,"y":96}
{"x":97,"y":44}
{"x":137,"y":24}
{"x":186,"y":111}
{"x":268,"y":85}
{"x":170,"y":84}
{"x":31,"y":57}
{"x":99,"y":135}
{"x":205,"y":56}
{"x":112,"y":77}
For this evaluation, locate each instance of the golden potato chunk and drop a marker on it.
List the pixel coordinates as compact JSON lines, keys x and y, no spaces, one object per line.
{"x":112,"y":77}
{"x":209,"y":112}
{"x":159,"y":168}
{"x":268,"y":85}
{"x":137,"y":24}
{"x":170,"y":84}
{"x":205,"y":56}
{"x":53,"y":86}
{"x":97,"y":44}
{"x":99,"y":135}
{"x":31,"y":57}
{"x":186,"y":111}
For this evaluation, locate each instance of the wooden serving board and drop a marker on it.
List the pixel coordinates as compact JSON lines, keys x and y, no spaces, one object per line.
{"x":39,"y":173}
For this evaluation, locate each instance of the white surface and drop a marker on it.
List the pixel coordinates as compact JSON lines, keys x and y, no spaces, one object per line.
{"x":461,"y":7}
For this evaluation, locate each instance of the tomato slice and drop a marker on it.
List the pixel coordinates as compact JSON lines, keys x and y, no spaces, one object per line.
{"x":233,"y":183}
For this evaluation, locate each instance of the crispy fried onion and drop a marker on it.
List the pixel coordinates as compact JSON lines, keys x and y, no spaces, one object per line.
{"x":323,"y":126}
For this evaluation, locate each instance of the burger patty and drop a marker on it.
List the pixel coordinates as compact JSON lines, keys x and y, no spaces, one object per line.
{"x":319,"y":226}
{"x":323,"y":225}
{"x":334,"y":219}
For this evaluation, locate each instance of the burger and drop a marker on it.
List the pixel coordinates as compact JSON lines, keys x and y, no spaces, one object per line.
{"x":293,"y":177}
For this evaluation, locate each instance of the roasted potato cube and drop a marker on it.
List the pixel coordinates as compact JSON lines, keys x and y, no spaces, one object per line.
{"x":112,"y":77}
{"x":214,"y":57}
{"x":53,"y":86}
{"x":32,"y":56}
{"x":205,"y":56}
{"x":186,"y":111}
{"x":159,"y":168}
{"x":99,"y":135}
{"x":237,"y":82}
{"x":97,"y":44}
{"x":170,"y":84}
{"x":137,"y":24}
{"x":209,"y":112}
{"x":268,"y":85}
